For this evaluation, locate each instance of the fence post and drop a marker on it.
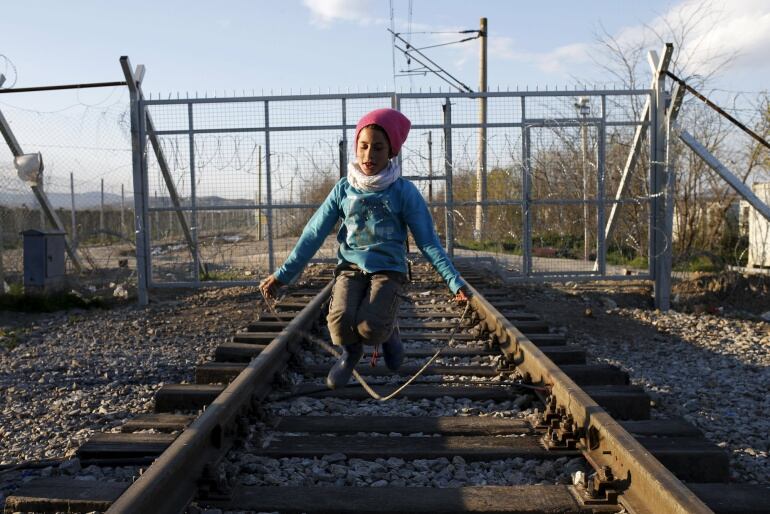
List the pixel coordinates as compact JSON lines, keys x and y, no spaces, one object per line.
{"x":101,"y":212}
{"x":122,"y":211}
{"x":481,"y":169}
{"x":584,"y":108}
{"x":156,"y":219}
{"x":526,"y":187}
{"x":660,"y":241}
{"x":344,"y":142}
{"x":677,"y":94}
{"x":430,"y":168}
{"x":73,"y":214}
{"x":259,"y":193}
{"x":141,"y":193}
{"x":448,"y":167}
{"x":601,"y":242}
{"x":269,"y":192}
{"x":2,"y":270}
{"x":193,"y":199}
{"x":41,"y":185}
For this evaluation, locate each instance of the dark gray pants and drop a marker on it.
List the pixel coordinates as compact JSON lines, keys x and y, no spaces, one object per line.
{"x":364,"y":306}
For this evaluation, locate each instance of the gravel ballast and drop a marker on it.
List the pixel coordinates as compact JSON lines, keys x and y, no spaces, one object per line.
{"x":713,"y":370}
{"x":73,"y":373}
{"x":70,"y":374}
{"x":338,"y":470}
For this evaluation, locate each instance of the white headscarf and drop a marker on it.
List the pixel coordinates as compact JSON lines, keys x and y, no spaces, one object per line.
{"x":372,"y":183}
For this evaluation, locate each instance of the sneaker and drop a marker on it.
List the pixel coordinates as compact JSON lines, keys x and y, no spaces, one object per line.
{"x":342,"y":370}
{"x":393,"y":350}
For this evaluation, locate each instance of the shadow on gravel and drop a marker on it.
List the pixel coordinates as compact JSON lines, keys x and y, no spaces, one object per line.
{"x":711,"y":370}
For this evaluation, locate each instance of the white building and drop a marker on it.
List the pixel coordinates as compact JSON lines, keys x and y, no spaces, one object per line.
{"x":758,"y":228}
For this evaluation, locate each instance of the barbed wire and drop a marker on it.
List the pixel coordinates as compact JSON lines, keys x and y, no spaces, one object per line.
{"x":227,"y":165}
{"x":8,"y":64}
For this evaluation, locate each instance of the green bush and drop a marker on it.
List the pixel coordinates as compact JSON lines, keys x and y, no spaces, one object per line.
{"x":620,"y":258}
{"x":508,"y":247}
{"x":704,"y":262}
{"x":223,"y":276}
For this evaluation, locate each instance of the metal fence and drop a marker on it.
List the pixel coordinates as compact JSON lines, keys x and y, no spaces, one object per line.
{"x":246,"y":173}
{"x":555,"y":185}
{"x":84,"y":140}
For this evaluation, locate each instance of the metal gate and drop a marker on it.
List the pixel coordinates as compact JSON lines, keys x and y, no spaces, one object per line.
{"x":224,"y":185}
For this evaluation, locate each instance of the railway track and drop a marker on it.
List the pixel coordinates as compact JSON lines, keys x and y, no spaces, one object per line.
{"x":507,"y":419}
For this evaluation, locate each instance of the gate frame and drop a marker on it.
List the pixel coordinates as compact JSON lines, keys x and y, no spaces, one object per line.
{"x":659,"y":232}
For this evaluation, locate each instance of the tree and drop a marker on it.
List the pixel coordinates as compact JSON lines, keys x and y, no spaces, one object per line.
{"x":702,"y":198}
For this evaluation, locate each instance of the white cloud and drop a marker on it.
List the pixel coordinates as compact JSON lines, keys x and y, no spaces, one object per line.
{"x":503,"y":47}
{"x":739,"y":28}
{"x":715,"y":30}
{"x":363,"y":12}
{"x":729,"y":34}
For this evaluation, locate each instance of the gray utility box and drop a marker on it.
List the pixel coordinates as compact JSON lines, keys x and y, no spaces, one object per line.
{"x":43,"y":261}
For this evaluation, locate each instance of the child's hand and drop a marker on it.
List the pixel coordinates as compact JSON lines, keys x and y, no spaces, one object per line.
{"x":462,"y":296}
{"x":269,"y":287}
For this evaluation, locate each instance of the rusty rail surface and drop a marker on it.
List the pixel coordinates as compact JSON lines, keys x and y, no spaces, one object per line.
{"x":644,"y":485}
{"x":172,"y":481}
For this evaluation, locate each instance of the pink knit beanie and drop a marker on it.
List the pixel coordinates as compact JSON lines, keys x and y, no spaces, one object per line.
{"x":395,"y":125}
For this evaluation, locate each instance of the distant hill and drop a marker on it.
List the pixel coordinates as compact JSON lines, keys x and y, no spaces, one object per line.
{"x":202,"y":201}
{"x":90,"y":200}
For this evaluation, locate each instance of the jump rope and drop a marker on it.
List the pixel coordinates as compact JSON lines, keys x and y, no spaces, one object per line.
{"x":330,"y":349}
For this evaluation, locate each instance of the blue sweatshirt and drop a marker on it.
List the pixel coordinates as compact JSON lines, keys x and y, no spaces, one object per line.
{"x":373,"y":232}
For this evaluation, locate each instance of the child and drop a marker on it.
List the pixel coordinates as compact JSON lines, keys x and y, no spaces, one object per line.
{"x":376,"y":206}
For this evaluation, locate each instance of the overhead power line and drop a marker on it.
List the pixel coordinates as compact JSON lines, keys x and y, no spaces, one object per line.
{"x":436,"y":69}
{"x":451,"y":42}
{"x":469,"y":31}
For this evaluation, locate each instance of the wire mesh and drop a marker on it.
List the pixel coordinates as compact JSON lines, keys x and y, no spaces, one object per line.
{"x":713,"y":227}
{"x":248,"y":174}
{"x":251,"y":177}
{"x":226,"y":115}
{"x":84,"y":140}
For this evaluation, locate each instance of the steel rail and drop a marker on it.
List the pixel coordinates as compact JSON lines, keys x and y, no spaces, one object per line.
{"x":172,"y":481}
{"x":647,"y":487}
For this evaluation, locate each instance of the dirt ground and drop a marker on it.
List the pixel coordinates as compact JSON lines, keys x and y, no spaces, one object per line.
{"x":728,"y":292}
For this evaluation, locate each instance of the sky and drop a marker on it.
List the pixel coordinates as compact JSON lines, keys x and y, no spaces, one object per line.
{"x":291,"y":45}
{"x":260,"y":47}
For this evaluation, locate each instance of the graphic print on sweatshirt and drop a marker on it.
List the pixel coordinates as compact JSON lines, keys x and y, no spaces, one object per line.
{"x":369,"y":221}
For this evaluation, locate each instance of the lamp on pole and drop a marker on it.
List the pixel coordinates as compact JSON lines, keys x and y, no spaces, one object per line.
{"x":584,"y":109}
